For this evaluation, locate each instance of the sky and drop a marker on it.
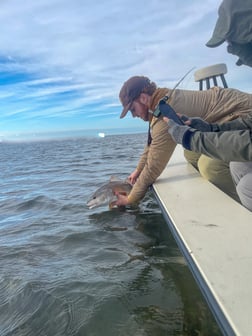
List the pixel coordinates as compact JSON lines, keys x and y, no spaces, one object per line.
{"x":62,"y":63}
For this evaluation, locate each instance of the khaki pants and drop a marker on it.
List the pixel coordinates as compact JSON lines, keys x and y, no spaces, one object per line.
{"x":215,"y":171}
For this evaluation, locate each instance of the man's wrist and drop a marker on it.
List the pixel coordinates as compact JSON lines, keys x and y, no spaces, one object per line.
{"x":215,"y":128}
{"x":177,"y":131}
{"x":186,"y":141}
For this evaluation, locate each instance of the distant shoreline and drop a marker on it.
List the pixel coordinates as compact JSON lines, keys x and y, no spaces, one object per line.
{"x":60,"y":135}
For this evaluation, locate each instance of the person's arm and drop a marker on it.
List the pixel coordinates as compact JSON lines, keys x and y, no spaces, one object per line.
{"x":141,"y":163}
{"x":123,"y":200}
{"x":231,"y":145}
{"x":203,"y":126}
{"x":236,"y":124}
{"x":226,"y":146}
{"x":143,"y":159}
{"x":159,"y":153}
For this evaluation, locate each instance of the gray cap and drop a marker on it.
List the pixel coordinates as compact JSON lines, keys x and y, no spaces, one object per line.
{"x":233,"y":24}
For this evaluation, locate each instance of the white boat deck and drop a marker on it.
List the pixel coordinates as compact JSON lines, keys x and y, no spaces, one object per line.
{"x":214,"y":234}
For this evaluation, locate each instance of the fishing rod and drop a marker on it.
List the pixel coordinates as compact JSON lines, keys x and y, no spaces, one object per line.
{"x":181,"y":80}
{"x":165,"y":109}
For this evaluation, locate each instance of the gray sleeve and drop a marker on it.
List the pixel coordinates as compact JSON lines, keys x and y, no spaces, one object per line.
{"x":225,"y":146}
{"x":237,"y":124}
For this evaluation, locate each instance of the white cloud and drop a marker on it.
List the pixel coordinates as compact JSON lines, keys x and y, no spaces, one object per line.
{"x":82,"y":51}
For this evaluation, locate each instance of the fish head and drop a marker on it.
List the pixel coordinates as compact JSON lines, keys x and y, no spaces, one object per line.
{"x":100,"y":197}
{"x":106,"y":193}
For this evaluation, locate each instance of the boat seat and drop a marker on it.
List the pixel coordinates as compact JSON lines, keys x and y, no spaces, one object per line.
{"x":212,"y":72}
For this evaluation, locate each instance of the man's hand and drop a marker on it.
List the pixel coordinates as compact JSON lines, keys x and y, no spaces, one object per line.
{"x":122,"y":199}
{"x":197,"y":123}
{"x":133,"y":177}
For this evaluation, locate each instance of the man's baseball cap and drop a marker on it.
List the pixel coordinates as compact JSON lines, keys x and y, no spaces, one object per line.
{"x":131,"y":90}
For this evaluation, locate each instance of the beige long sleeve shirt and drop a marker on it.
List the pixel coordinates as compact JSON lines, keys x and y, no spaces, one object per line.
{"x":213,"y":105}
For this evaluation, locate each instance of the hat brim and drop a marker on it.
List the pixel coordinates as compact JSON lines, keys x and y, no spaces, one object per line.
{"x":125,"y":110}
{"x":215,"y":42}
{"x":220,"y":31}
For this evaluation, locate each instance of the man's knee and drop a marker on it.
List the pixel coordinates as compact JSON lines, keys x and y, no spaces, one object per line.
{"x":192,"y":158}
{"x":211,"y":169}
{"x":218,"y":173}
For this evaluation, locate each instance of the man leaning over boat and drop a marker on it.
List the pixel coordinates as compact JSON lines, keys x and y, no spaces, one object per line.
{"x":140,"y":96}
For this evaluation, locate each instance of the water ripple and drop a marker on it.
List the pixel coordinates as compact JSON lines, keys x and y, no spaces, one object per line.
{"x":67,"y":270}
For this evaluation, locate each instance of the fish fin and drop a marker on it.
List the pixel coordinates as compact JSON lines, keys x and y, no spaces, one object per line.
{"x":114,"y":178}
